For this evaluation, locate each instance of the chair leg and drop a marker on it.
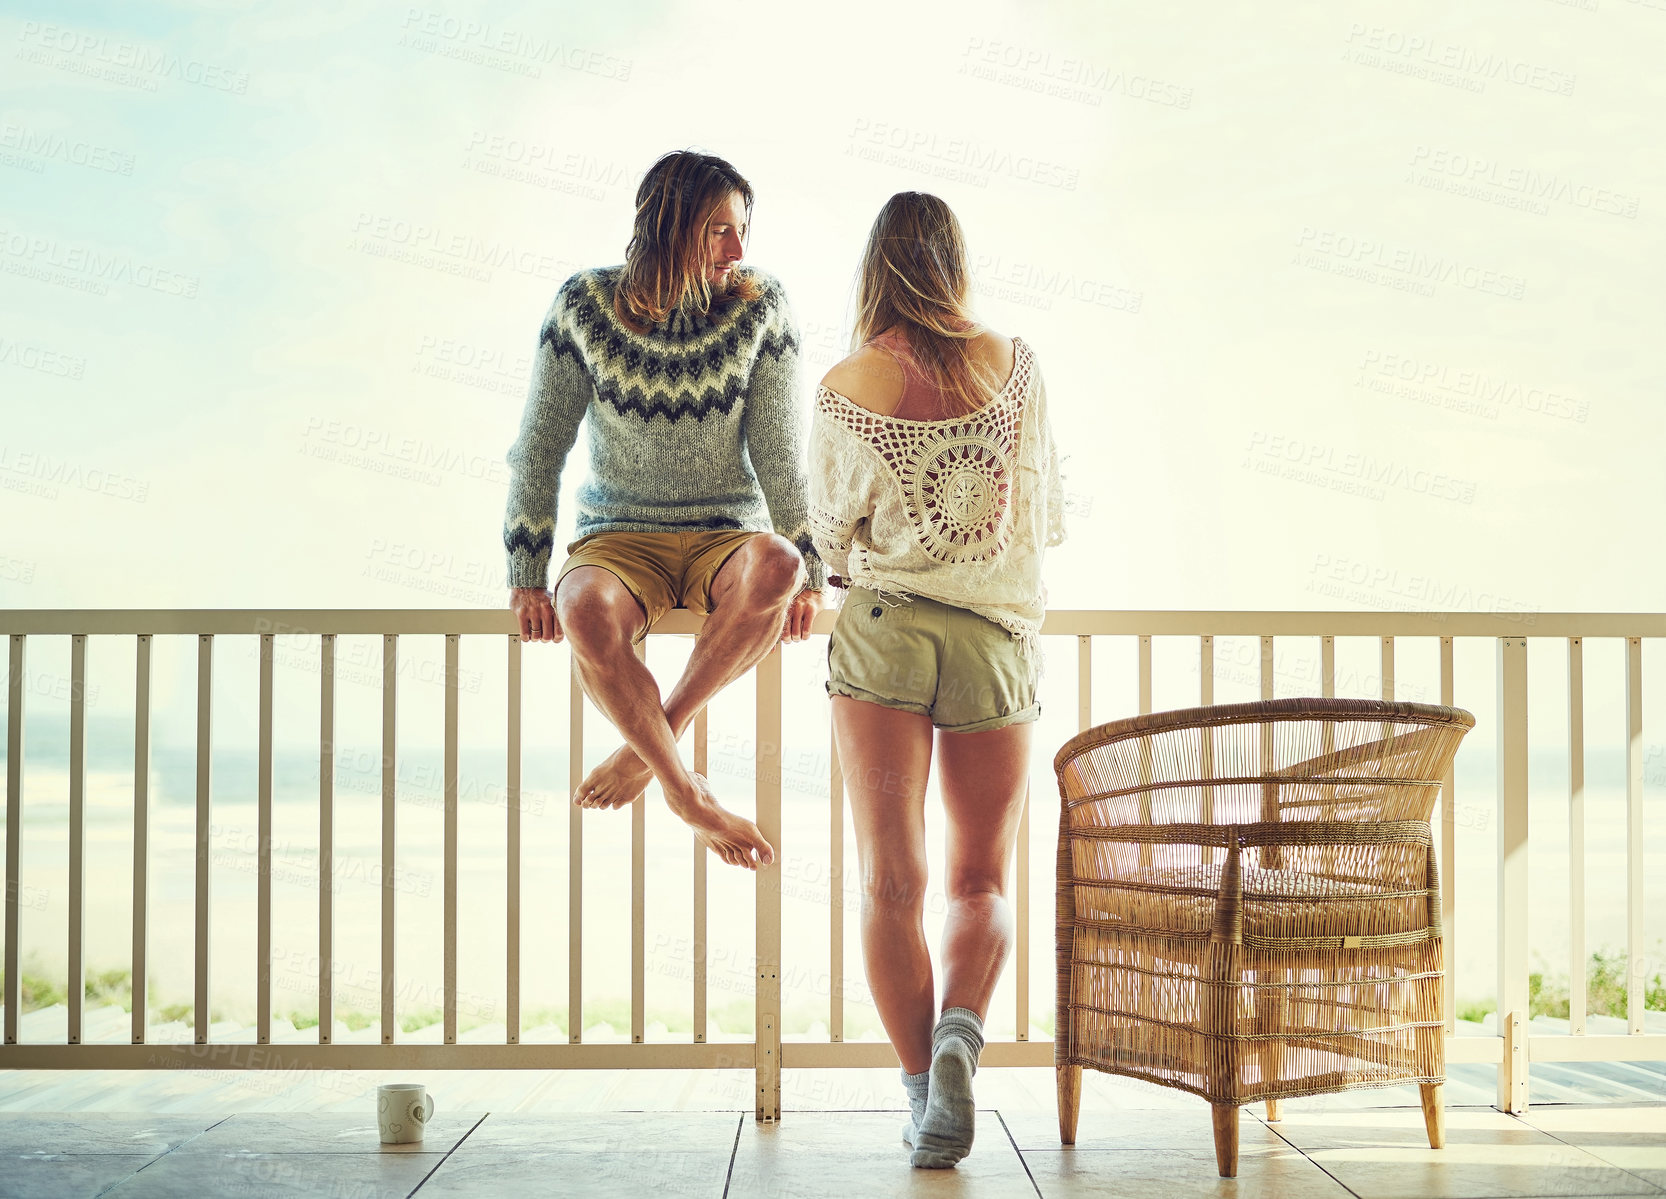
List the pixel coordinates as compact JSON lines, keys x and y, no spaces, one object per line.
{"x":1434,"y":1114}
{"x":1275,"y":1112}
{"x":1070,"y":1102}
{"x":1226,"y":1139}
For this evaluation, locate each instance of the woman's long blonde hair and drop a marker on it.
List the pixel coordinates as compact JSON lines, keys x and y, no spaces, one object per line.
{"x":665,"y":262}
{"x":914,"y":279}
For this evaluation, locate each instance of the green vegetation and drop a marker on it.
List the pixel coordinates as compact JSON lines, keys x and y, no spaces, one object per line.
{"x":1606,"y":993}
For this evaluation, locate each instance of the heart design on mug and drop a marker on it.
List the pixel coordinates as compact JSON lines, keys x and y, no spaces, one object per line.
{"x":396,"y":1127}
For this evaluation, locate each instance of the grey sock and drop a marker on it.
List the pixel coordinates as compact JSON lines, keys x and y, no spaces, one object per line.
{"x":944,"y":1136}
{"x":916,"y":1085}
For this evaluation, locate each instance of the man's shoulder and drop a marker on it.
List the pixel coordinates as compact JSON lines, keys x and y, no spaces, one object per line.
{"x":589,"y":281}
{"x":771,"y":296}
{"x":583,"y":295}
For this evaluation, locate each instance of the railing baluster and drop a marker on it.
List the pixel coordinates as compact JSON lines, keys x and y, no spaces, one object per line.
{"x":14,"y":831}
{"x":1084,"y":684}
{"x":77,"y":829}
{"x":639,"y":901}
{"x":205,"y":680}
{"x":1021,"y":942}
{"x":390,"y":751}
{"x":1327,"y":689}
{"x":1512,"y":870}
{"x":1448,"y":853}
{"x":767,"y":1019}
{"x":1146,"y":848}
{"x":141,"y":833}
{"x":701,"y":742}
{"x":575,"y":862}
{"x":263,"y":853}
{"x":836,"y":895}
{"x":512,"y":853}
{"x":326,"y":834}
{"x":1634,"y":835}
{"x":449,"y":850}
{"x":1576,"y":837}
{"x":1206,"y":696}
{"x":1145,"y":674}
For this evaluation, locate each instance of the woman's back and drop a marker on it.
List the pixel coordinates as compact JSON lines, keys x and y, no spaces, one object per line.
{"x":956,"y":507}
{"x":884,"y":376}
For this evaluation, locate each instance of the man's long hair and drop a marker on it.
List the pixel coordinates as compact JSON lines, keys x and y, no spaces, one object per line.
{"x":914,"y":278}
{"x":665,"y":262}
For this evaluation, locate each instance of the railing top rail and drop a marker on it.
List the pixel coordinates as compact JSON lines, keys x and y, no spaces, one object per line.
{"x":1060,"y":621}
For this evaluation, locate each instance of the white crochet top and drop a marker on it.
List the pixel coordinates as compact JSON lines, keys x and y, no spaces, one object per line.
{"x":956,"y":510}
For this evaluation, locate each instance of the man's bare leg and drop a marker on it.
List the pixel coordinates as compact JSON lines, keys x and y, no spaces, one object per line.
{"x":749,"y":600}
{"x":599,"y":619}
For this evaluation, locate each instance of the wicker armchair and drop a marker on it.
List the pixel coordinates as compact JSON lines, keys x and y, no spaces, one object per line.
{"x":1248,"y":903}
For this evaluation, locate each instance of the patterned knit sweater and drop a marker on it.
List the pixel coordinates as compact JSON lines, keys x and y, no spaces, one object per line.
{"x":692,"y":426}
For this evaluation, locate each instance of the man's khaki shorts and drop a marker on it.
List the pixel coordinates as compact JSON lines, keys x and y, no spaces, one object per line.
{"x":661,"y":570}
{"x":918,"y":655}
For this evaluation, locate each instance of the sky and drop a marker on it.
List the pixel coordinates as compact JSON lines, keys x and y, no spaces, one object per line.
{"x":1348,"y":309}
{"x":1332,"y":312}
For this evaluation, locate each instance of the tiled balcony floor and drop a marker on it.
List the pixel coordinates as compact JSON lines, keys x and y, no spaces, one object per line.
{"x":553,"y":1134}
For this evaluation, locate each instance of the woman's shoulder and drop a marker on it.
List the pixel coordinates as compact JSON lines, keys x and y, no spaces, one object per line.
{"x":869,"y":377}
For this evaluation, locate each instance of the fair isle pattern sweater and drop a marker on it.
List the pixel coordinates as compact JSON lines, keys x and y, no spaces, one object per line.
{"x":692,"y":426}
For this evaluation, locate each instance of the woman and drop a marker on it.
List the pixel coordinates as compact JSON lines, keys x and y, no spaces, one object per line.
{"x":934,"y":488}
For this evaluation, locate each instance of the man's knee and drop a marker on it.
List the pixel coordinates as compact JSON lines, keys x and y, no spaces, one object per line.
{"x":596,"y":610}
{"x":771,"y":568}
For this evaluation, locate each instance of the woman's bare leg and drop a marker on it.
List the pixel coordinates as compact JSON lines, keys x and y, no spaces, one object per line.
{"x":984,"y":780}
{"x":983,"y":783}
{"x":886,"y":755}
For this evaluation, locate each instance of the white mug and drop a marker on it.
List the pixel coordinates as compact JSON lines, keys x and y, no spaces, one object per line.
{"x":402,"y":1110}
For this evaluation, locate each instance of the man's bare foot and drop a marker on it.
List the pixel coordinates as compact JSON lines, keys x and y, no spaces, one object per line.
{"x":733,"y":838}
{"x":616,"y":782}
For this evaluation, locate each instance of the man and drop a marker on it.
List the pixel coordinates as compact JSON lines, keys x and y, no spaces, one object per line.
{"x":686,"y":364}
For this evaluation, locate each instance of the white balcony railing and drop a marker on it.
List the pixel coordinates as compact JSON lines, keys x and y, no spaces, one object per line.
{"x":767,"y":1053}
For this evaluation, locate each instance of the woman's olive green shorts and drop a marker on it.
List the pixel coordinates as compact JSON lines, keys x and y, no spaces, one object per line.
{"x":918,"y":655}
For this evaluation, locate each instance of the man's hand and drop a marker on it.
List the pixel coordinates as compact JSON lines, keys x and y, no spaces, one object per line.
{"x":800,"y":613}
{"x":537,"y":615}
